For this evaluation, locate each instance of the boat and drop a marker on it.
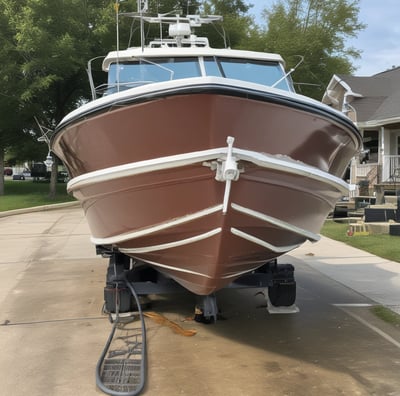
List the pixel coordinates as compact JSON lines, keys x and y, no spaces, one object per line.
{"x":203,"y":163}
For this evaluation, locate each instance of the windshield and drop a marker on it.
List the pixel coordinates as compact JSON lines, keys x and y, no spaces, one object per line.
{"x":259,"y":72}
{"x":144,"y":71}
{"x":130,"y":74}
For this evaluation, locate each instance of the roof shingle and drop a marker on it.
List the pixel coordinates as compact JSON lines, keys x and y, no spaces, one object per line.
{"x":380,"y":95}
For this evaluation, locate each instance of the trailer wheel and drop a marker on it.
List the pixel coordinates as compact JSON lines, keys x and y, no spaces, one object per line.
{"x":282,"y":294}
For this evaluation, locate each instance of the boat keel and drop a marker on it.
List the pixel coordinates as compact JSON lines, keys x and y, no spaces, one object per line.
{"x":206,"y":310}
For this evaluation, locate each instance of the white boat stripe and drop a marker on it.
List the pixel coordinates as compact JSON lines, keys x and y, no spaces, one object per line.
{"x":170,"y":245}
{"x":258,"y":241}
{"x":279,"y":223}
{"x":137,"y":168}
{"x":236,"y":274}
{"x":288,"y":165}
{"x":278,"y":163}
{"x":159,"y":227}
{"x":186,"y":271}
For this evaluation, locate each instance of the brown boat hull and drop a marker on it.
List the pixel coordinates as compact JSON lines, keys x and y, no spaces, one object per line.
{"x":178,"y":218}
{"x":181,"y":123}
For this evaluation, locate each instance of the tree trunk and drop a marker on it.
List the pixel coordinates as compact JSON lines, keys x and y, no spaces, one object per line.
{"x":53,"y":178}
{"x":1,"y":171}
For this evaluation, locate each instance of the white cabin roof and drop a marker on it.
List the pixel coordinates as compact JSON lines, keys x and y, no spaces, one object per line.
{"x":132,"y":54}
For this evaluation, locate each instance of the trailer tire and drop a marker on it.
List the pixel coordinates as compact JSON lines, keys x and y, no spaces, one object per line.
{"x":282,"y":294}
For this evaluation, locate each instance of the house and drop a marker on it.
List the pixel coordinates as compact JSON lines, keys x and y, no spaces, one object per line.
{"x":373,"y":103}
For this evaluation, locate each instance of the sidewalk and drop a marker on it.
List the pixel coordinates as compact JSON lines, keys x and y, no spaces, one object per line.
{"x":369,"y":275}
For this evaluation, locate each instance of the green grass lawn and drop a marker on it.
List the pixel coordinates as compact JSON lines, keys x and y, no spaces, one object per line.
{"x":26,"y":193}
{"x":386,"y":246}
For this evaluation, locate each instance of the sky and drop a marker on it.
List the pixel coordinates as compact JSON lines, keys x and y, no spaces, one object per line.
{"x":379,"y":41}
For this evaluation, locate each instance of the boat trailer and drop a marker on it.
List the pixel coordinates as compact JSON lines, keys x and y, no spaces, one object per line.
{"x":122,"y":369}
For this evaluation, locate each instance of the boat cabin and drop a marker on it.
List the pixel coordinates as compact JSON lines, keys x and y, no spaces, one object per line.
{"x":184,"y":55}
{"x":124,"y":74}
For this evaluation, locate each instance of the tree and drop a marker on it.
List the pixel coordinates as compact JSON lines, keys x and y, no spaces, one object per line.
{"x":11,"y":83}
{"x":316,"y":30}
{"x":45,"y":47}
{"x":53,"y":41}
{"x":235,"y":28}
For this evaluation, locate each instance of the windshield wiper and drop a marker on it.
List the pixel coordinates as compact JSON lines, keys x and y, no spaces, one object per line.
{"x":289,"y":72}
{"x":160,"y":66}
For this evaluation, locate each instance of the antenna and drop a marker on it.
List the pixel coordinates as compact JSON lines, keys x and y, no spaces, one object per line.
{"x":116,"y":7}
{"x":143,"y":6}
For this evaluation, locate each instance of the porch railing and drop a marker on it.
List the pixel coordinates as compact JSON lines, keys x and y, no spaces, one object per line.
{"x":387,"y":172}
{"x":368,"y":172}
{"x":364,"y":169}
{"x":391,"y":168}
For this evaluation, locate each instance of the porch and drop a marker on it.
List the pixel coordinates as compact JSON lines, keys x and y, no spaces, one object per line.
{"x":376,"y":179}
